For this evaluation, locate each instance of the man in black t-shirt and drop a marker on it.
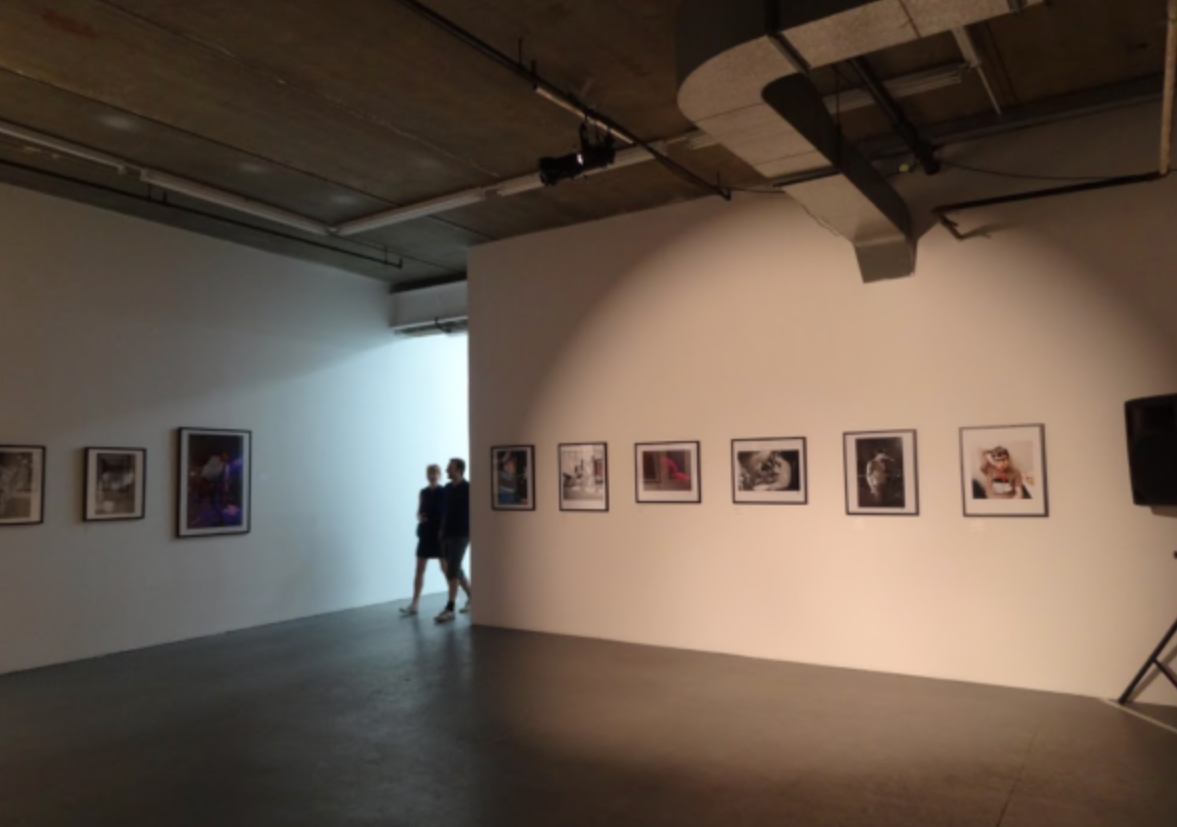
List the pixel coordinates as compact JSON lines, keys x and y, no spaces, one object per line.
{"x":455,"y":535}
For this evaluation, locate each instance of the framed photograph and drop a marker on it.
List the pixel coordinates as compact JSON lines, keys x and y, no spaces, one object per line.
{"x":584,"y":476}
{"x":667,"y":472}
{"x":769,"y":471}
{"x":214,"y":466}
{"x":1003,"y":471}
{"x":115,"y":486}
{"x":22,"y":485}
{"x":513,"y":485}
{"x":881,"y":473}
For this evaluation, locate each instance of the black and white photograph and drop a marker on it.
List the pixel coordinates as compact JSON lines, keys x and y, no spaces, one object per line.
{"x":513,"y":483}
{"x":667,"y":472}
{"x":1003,"y":471}
{"x":214,"y":487}
{"x":769,"y":471}
{"x":22,"y":485}
{"x":584,"y":476}
{"x":881,"y":473}
{"x":115,"y":484}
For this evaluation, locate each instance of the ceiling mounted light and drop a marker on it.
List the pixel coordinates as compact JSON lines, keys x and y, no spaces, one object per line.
{"x":238,"y":203}
{"x":63,"y":147}
{"x":412,"y":212}
{"x":593,"y":155}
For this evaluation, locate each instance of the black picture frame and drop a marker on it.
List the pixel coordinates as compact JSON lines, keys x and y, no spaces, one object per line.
{"x":910,"y":506}
{"x":1037,"y":461}
{"x":90,"y":485}
{"x":11,"y":489}
{"x":779,"y":444}
{"x":193,"y":490}
{"x":501,"y":495}
{"x":604,"y":507}
{"x":669,"y":497}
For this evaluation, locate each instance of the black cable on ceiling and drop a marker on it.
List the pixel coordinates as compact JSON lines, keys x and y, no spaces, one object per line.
{"x":1026,"y":175}
{"x":532,"y":76}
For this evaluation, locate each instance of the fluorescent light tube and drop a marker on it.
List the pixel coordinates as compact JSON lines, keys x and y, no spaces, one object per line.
{"x":238,"y":203}
{"x":412,"y":212}
{"x":64,"y":147}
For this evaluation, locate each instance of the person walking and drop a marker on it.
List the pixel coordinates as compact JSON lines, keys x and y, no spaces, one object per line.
{"x":455,"y":535}
{"x":429,"y":511}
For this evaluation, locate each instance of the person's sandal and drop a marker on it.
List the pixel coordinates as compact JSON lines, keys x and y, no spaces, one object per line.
{"x":408,"y":611}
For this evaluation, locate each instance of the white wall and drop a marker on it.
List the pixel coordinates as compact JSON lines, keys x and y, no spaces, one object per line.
{"x":711,"y":321}
{"x":114,"y":332}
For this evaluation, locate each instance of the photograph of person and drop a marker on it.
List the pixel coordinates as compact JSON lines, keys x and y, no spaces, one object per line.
{"x":115,"y":484}
{"x":1003,"y":471}
{"x":21,"y":485}
{"x":881,"y":473}
{"x":214,"y":467}
{"x":512,"y":484}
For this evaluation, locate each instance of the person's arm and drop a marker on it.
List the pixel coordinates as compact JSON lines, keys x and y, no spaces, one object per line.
{"x":421,"y":506}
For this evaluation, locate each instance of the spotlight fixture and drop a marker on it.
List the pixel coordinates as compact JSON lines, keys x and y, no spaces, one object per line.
{"x":594,"y":154}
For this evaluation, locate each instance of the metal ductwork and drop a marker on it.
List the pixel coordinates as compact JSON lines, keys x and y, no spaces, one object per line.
{"x":742,"y":80}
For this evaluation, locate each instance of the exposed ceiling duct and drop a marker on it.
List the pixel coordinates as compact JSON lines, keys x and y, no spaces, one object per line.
{"x":742,"y":80}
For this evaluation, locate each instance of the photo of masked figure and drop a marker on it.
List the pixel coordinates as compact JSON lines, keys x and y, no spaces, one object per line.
{"x":1003,"y":471}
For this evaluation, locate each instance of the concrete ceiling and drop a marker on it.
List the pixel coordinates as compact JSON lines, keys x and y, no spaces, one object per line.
{"x":338,"y":110}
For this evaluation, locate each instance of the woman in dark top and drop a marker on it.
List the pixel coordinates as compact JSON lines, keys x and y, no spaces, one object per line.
{"x":429,"y":511}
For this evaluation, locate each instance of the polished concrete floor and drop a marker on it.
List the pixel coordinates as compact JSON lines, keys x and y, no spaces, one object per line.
{"x":363,"y":718}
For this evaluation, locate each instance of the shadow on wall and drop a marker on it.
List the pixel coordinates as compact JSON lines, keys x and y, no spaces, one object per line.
{"x":140,"y":316}
{"x":581,"y":298}
{"x":1100,"y":258}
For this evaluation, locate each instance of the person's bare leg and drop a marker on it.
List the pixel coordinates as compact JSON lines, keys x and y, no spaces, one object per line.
{"x":464,"y":582}
{"x":418,"y":582}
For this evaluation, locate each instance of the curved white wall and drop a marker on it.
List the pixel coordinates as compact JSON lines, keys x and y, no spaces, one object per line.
{"x":710,"y":321}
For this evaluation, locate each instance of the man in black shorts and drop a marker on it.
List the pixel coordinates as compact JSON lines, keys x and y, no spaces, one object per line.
{"x":455,"y":535}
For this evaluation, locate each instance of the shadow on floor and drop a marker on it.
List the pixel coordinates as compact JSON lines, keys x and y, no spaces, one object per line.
{"x":365,"y":718}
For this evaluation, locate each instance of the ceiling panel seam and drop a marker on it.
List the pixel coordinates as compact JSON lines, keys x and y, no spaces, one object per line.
{"x":282,"y":83}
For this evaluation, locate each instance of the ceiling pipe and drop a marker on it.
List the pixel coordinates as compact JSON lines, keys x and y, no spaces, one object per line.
{"x":411,"y":212}
{"x":895,"y":114}
{"x":1167,"y":100}
{"x":1163,"y":164}
{"x":220,"y":198}
{"x":513,"y":186}
{"x":582,"y":113}
{"x":29,"y":136}
{"x":166,"y":181}
{"x":968,"y":50}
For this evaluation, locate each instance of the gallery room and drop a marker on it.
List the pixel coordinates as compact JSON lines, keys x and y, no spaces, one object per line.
{"x":670,"y":412}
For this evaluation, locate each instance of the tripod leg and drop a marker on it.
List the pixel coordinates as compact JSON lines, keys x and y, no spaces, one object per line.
{"x":1154,"y":658}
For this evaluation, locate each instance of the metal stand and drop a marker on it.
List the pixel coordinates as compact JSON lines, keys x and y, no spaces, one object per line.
{"x":1153,"y":660}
